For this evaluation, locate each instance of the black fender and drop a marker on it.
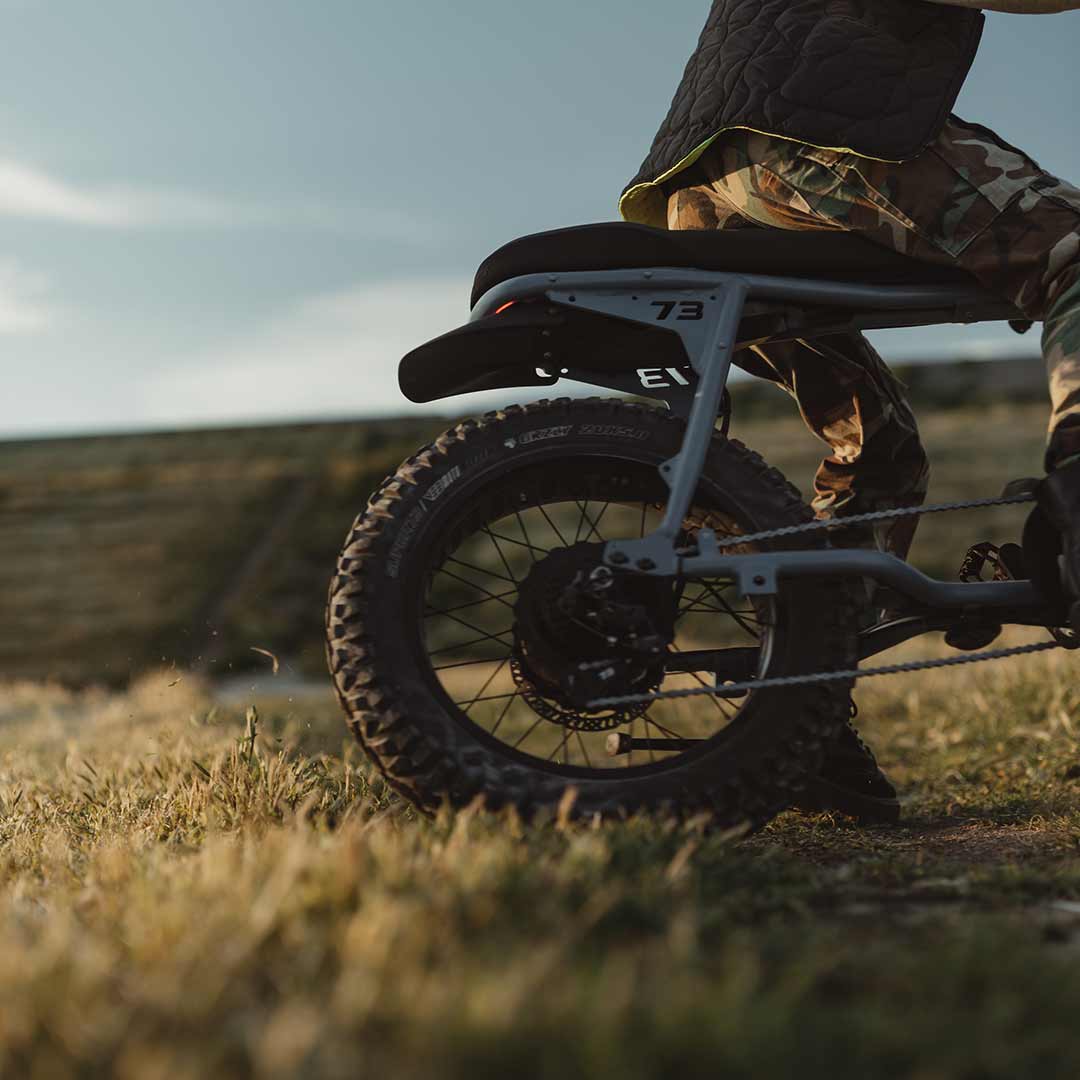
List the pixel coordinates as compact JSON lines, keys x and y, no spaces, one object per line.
{"x":529,"y":344}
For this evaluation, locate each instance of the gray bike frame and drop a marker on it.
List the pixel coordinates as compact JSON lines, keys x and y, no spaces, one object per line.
{"x":706,"y":309}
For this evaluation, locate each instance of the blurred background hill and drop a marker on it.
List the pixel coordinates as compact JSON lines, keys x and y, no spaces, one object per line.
{"x":123,"y":553}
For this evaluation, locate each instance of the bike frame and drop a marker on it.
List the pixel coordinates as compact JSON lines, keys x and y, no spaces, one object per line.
{"x":706,"y":310}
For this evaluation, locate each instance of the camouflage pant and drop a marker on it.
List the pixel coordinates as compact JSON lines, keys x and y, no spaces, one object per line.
{"x":970,"y":201}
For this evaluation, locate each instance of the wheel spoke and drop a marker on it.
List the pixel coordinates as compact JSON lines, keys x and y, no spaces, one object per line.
{"x":594,"y":526}
{"x":432,"y":612}
{"x":506,"y":565}
{"x":490,"y":697}
{"x":583,"y":507}
{"x":487,"y":634}
{"x":584,"y":750}
{"x":565,"y":740}
{"x":462,"y":645}
{"x":660,"y":727}
{"x":481,"y":570}
{"x":536,"y":723}
{"x":712,"y":697}
{"x":525,"y":533}
{"x":510,"y":540}
{"x":694,"y":608}
{"x":554,"y":527}
{"x":720,"y":703}
{"x":490,"y":679}
{"x":652,"y":752}
{"x":744,"y":623}
{"x":715,"y":591}
{"x":480,"y":588}
{"x":468,"y":663}
{"x":502,"y":715}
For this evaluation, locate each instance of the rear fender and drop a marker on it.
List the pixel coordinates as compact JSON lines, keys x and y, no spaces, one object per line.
{"x":535,"y":343}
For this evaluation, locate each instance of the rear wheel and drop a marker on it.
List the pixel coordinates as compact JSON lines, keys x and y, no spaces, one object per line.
{"x":453,"y":644}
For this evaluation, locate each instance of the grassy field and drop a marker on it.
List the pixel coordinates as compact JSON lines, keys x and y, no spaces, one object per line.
{"x":119,"y":553}
{"x":186,"y":893}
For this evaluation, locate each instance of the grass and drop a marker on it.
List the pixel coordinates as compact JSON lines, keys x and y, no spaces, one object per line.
{"x":189,"y":546}
{"x":192,"y":890}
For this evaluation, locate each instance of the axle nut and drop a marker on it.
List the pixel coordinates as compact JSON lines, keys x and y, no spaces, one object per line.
{"x":620,"y":558}
{"x":646,"y":564}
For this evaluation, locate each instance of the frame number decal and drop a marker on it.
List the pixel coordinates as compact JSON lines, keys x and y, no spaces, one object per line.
{"x":688,"y":310}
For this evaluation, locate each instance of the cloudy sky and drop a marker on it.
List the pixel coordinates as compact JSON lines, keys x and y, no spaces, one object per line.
{"x":217,"y":210}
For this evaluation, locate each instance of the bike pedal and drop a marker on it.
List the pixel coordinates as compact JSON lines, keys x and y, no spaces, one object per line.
{"x":1005,"y":562}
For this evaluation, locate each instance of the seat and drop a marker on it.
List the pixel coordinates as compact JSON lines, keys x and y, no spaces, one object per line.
{"x":617,"y":245}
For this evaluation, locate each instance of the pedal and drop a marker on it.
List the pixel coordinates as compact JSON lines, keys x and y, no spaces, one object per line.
{"x":1006,"y":563}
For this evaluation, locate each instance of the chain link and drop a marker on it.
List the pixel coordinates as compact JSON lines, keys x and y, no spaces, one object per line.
{"x":864,"y":519}
{"x":733,"y":689}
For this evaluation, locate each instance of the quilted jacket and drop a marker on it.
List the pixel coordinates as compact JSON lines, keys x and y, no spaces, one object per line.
{"x":875,"y":77}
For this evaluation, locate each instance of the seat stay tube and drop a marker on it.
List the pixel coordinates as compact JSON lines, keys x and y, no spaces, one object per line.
{"x":683,"y":472}
{"x":707,"y":320}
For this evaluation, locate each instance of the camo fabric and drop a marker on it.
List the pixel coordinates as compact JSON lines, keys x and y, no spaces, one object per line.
{"x":971,"y":201}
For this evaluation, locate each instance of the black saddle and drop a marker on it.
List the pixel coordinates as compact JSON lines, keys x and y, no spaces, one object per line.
{"x":827,"y":256}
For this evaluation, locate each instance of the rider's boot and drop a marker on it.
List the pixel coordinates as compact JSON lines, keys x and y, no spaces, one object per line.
{"x":851,"y":782}
{"x":1059,"y":499}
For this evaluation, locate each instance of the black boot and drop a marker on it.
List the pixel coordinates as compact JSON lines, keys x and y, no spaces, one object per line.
{"x":1059,"y":500}
{"x":851,"y":783}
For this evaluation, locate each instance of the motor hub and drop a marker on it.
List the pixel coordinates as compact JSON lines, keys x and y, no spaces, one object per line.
{"x":574,"y":615}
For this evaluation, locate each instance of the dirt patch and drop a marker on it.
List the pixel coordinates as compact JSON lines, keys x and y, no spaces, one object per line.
{"x":980,"y":843}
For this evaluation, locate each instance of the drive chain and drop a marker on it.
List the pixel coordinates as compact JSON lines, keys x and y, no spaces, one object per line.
{"x":737,"y":688}
{"x":865,"y":519}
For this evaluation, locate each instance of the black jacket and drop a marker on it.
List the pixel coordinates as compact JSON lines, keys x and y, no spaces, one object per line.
{"x":876,"y":77}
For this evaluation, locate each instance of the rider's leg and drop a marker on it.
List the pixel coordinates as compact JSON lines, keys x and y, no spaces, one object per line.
{"x":854,"y":404}
{"x":1061,"y":346}
{"x":1060,"y":494}
{"x":970,"y":200}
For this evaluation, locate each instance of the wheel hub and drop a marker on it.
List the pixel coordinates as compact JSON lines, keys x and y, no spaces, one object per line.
{"x":580,"y":625}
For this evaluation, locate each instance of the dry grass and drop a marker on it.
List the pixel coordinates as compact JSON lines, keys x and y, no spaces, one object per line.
{"x":182,"y":896}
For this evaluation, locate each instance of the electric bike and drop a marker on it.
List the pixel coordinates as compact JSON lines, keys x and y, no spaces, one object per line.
{"x":613,"y":596}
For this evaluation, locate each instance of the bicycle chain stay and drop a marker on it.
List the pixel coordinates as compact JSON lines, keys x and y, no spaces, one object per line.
{"x":738,"y":688}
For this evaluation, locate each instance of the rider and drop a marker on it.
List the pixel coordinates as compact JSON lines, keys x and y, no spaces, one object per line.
{"x":835,"y":115}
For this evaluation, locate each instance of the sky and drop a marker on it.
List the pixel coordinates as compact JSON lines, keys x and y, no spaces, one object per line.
{"x":217,"y":211}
